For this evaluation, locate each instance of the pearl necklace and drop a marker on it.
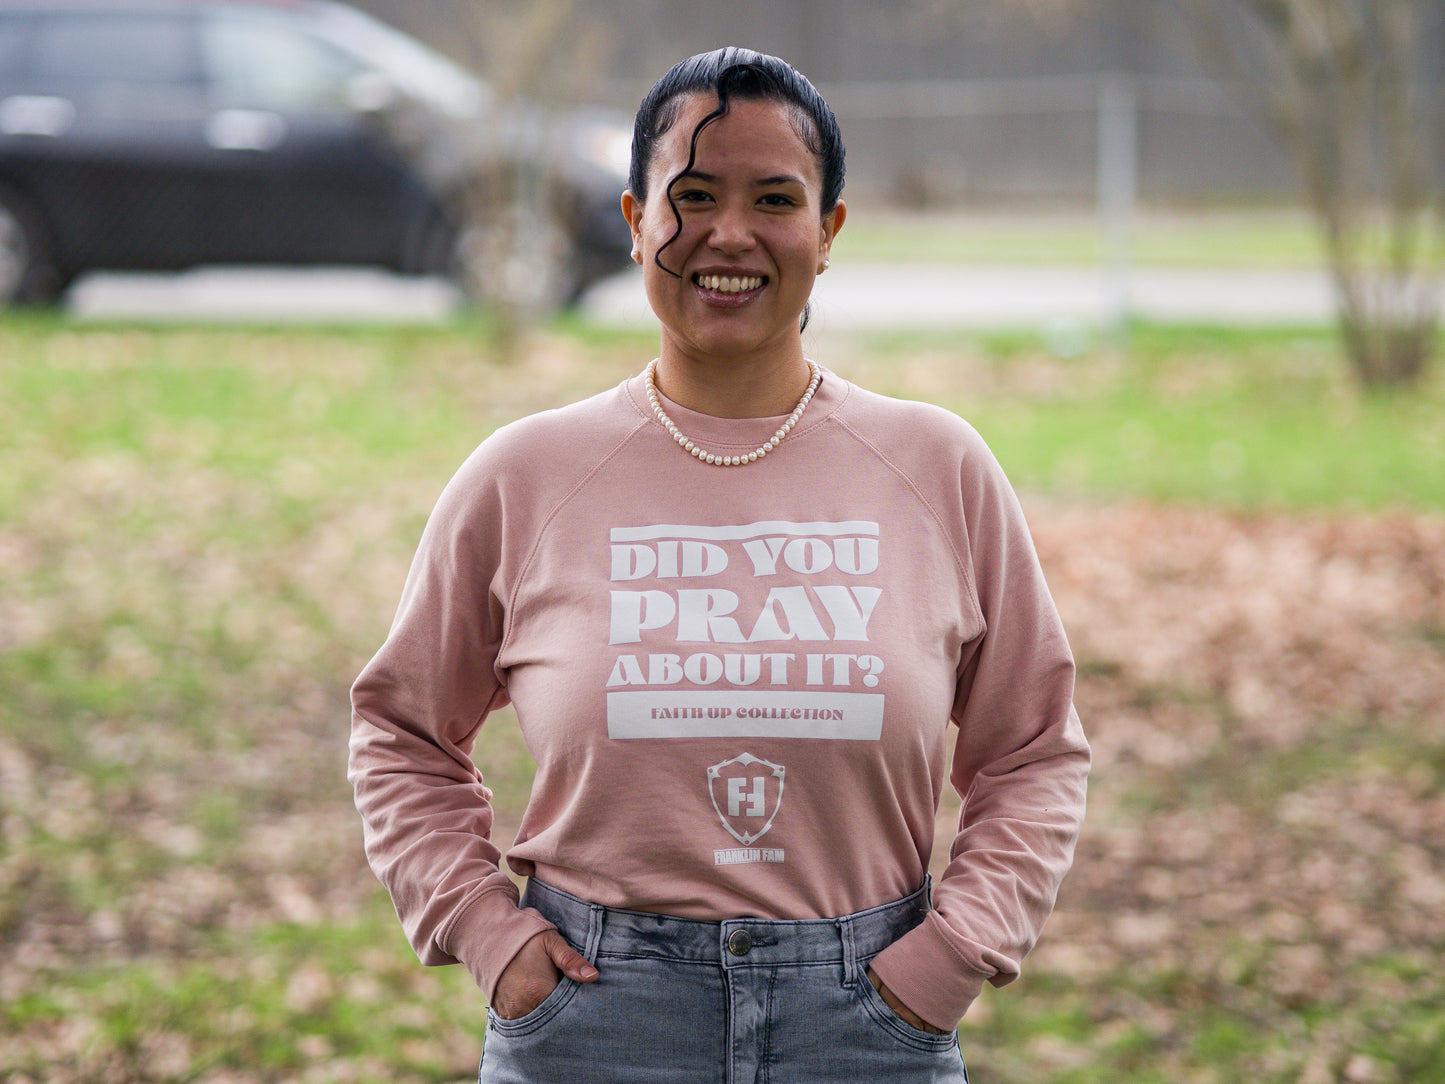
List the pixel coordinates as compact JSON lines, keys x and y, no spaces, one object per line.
{"x":728,"y":460}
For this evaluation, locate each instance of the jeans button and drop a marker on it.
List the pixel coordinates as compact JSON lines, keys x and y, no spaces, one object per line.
{"x":740,"y":942}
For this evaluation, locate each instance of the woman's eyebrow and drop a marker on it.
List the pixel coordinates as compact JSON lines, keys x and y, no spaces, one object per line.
{"x":709,"y":178}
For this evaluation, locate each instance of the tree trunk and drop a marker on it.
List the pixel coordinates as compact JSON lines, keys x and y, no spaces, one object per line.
{"x":1337,"y":81}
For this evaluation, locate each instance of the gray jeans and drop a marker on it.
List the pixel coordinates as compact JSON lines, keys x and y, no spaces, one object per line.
{"x":747,"y":1001}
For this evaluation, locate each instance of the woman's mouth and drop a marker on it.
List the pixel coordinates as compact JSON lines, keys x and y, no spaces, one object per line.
{"x":729,"y":284}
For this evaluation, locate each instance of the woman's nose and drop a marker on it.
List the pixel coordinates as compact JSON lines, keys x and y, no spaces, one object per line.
{"x":731,"y":231}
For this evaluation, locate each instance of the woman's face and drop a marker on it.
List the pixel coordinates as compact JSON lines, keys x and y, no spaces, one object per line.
{"x":753,"y":237}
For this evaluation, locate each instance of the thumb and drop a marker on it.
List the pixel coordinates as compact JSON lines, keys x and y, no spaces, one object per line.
{"x":568,"y":960}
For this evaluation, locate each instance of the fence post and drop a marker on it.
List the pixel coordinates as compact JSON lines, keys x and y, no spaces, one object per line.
{"x":1116,"y":192}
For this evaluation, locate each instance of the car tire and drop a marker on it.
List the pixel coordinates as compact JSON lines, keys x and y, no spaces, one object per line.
{"x":518,"y":259}
{"x":27,"y":274}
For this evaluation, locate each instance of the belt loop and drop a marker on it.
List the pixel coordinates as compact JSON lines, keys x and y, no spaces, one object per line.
{"x":595,"y":916}
{"x":850,"y":951}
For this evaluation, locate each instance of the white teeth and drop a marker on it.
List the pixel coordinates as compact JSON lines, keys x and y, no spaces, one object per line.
{"x":729,"y":285}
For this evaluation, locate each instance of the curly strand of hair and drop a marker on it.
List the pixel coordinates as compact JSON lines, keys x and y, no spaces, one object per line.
{"x":716,"y":114}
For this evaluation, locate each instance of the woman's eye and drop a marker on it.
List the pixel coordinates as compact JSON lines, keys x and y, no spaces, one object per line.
{"x":692,"y":196}
{"x":776,"y":200}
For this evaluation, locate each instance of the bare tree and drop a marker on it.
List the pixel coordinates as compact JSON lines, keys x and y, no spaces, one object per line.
{"x":1341,"y":84}
{"x":540,"y":60}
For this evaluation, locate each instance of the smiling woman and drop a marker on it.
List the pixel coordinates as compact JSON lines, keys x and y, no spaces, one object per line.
{"x":748,"y":204}
{"x":738,"y":684}
{"x":730,"y":249}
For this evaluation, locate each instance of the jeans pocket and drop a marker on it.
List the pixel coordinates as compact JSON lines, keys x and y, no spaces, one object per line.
{"x":539,"y":1017}
{"x":898,"y":1028}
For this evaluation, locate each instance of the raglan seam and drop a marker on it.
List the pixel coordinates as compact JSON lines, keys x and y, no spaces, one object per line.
{"x":965,"y":568}
{"x":524,"y":570}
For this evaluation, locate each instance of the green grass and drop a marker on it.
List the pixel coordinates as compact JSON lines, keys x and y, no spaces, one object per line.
{"x":1255,"y":238}
{"x":288,"y":1000}
{"x":203,"y":532}
{"x":1271,"y":239}
{"x":1254,"y":419}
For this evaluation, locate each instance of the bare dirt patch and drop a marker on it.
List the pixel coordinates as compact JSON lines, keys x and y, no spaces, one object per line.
{"x":1265,"y":696}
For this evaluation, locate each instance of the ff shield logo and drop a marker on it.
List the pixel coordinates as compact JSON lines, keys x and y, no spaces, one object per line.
{"x":746,"y":792}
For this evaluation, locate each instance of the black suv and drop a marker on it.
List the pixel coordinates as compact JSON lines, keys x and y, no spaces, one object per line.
{"x":165,"y":134}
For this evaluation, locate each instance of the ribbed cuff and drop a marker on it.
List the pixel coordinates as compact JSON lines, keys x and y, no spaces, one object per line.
{"x":489,"y":933}
{"x":925,"y":973}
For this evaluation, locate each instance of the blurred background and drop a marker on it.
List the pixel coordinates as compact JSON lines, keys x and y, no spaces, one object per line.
{"x":999,"y":102}
{"x":270,"y":271}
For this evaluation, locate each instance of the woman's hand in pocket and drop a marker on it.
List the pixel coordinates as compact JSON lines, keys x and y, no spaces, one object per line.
{"x":902,"y":1011}
{"x":535,"y":972}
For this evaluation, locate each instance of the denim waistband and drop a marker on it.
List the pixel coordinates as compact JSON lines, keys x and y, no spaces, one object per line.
{"x":738,"y":942}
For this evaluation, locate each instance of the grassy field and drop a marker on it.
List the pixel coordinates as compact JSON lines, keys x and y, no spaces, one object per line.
{"x":1276,"y":239}
{"x":203,"y":533}
{"x":1246,"y":237}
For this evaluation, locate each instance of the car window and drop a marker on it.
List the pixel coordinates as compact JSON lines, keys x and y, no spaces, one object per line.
{"x":115,"y":49}
{"x":13,"y":32}
{"x":259,"y":63}
{"x":417,"y":70}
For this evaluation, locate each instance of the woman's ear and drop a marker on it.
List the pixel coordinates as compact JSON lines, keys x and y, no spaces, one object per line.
{"x":632,"y":211}
{"x":832,"y":223}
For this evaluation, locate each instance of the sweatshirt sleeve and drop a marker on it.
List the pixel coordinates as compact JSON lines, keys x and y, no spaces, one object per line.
{"x":1020,"y":765}
{"x":416,"y":709}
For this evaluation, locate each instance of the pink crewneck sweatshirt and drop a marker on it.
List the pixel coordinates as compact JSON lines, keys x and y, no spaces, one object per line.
{"x":737,"y":684}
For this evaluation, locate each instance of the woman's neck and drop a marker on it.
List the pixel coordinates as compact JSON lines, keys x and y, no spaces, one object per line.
{"x":734,"y":388}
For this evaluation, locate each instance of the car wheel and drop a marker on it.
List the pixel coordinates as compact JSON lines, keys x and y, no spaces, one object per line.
{"x":518,"y":259}
{"x":26,"y":274}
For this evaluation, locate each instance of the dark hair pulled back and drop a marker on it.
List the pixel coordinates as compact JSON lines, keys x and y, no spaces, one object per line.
{"x":741,"y":74}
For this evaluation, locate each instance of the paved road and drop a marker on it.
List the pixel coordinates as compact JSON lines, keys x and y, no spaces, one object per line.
{"x":949,"y":296}
{"x":877,"y":296}
{"x":300,"y":296}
